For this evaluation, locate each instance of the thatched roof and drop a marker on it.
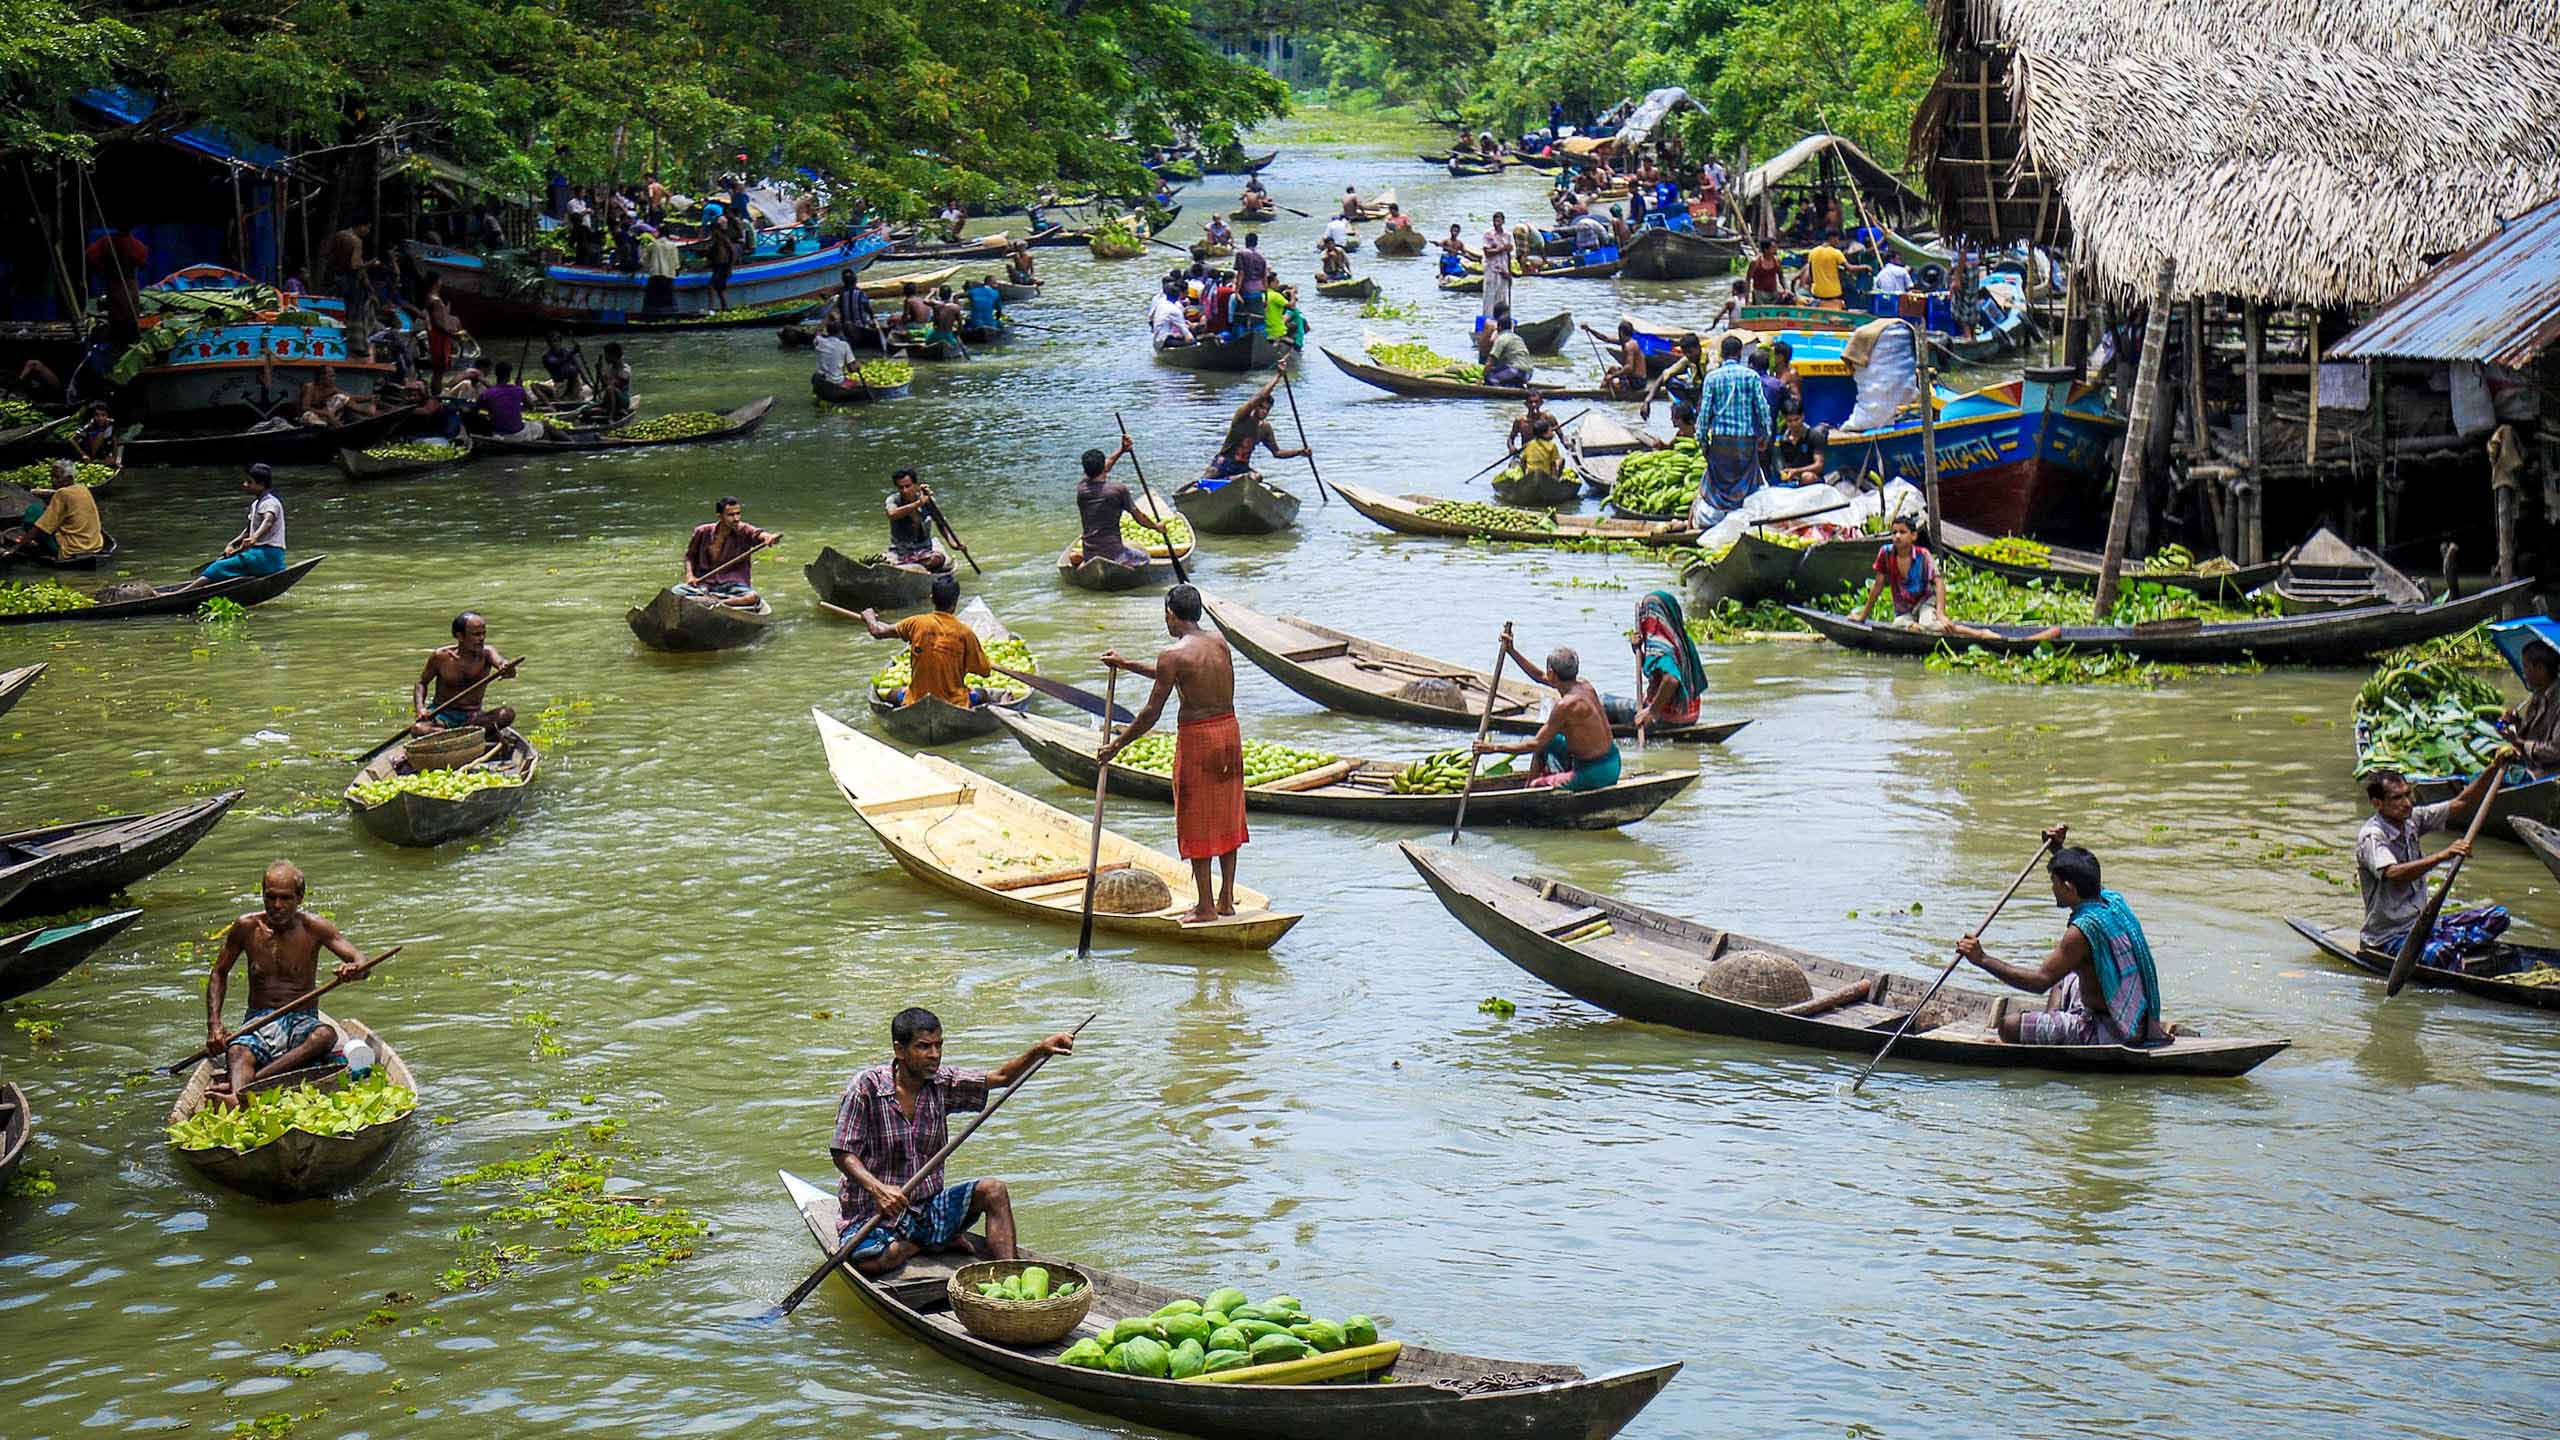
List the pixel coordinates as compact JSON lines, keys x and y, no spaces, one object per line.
{"x":2288,"y":151}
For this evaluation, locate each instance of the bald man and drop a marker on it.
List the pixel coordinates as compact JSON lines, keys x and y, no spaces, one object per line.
{"x":283,"y":942}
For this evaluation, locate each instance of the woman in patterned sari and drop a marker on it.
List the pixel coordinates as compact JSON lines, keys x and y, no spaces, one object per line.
{"x":1670,"y":679}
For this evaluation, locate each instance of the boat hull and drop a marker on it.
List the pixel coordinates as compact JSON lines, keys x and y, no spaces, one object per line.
{"x":1255,"y":351}
{"x":932,"y":720}
{"x":87,"y":862}
{"x":14,"y":683}
{"x":37,"y":958}
{"x":412,"y":819}
{"x":2028,"y":468}
{"x":589,"y":298}
{"x":683,"y":624}
{"x":850,"y":584}
{"x":1246,"y":504}
{"x":299,"y":1165}
{"x":2345,"y":944}
{"x":1657,"y":253}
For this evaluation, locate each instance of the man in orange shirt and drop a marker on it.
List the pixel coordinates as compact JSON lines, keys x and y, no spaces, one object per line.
{"x":942,"y":651}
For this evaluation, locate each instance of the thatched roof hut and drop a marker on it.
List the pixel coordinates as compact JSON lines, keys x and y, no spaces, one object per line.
{"x":2289,"y":152}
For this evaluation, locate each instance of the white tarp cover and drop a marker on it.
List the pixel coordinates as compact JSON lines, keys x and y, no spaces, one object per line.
{"x":1774,"y":505}
{"x":1651,"y":112}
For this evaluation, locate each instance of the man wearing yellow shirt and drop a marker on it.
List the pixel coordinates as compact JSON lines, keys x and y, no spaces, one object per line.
{"x":66,"y":527}
{"x":1823,"y":268}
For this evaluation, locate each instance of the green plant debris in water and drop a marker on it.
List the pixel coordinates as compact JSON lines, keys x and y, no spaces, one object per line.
{"x":563,"y":1186}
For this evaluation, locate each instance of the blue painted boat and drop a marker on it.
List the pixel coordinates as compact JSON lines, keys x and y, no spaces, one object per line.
{"x":2023,"y":457}
{"x":253,"y":366}
{"x":582,"y":297}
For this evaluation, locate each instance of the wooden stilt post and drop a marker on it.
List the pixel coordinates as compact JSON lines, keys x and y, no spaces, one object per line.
{"x":2199,"y":434}
{"x":2137,"y":439}
{"x":2311,"y":441}
{"x":1928,"y":432}
{"x":2253,"y":537}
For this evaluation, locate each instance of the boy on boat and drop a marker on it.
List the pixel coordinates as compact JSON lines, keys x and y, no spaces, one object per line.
{"x":1573,"y":750}
{"x":1248,"y":430}
{"x":1100,"y":502}
{"x":1208,"y":751}
{"x":459,"y":667}
{"x":912,"y":512}
{"x":282,"y":942}
{"x":2392,"y":867}
{"x":716,"y":563}
{"x":2099,"y":984}
{"x":259,"y":547}
{"x":897,"y":1116}
{"x":942,"y":651}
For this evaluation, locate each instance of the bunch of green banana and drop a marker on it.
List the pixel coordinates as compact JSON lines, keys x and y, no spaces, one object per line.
{"x":1444,"y":773}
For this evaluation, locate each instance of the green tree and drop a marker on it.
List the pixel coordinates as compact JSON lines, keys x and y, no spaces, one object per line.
{"x":49,"y":54}
{"x":1781,"y":68}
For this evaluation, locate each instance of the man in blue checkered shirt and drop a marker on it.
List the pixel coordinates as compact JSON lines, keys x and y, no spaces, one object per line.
{"x":1733,"y":427}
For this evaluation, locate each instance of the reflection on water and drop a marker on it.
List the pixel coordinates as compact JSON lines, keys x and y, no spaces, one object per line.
{"x":712,"y":944}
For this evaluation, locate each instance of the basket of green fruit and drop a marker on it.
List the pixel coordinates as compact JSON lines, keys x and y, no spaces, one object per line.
{"x":1017,"y":1302}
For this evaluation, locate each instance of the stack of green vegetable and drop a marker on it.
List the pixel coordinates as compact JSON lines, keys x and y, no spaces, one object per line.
{"x":415,"y":450}
{"x":14,"y":413}
{"x":1442,"y":773}
{"x":264,"y":1115}
{"x":1219,"y":1331}
{"x":1983,"y":598}
{"x":1009,"y":651}
{"x":39,"y":476}
{"x":434,"y":784}
{"x":886,"y":374}
{"x":1418,"y":359}
{"x":682,"y":425}
{"x":1264,"y":762}
{"x":1116,"y":239}
{"x":1177,"y":530}
{"x":44,"y":597}
{"x":2016,"y":550}
{"x":1477,"y":515}
{"x":2426,"y":718}
{"x":1660,"y":482}
{"x":1029,"y":1283}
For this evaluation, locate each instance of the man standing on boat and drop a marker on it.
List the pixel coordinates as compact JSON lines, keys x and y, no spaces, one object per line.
{"x":1574,"y":749}
{"x":659,"y":261}
{"x":708,"y":570}
{"x":897,"y":1116}
{"x":259,"y":547}
{"x":458,"y":667}
{"x":912,"y":513}
{"x":1208,"y":750}
{"x":1248,"y":430}
{"x":1100,"y":502}
{"x":282,"y":942}
{"x":1253,"y":277}
{"x":2100,"y":985}
{"x":1497,"y":266}
{"x":2391,"y":866}
{"x":942,"y":651}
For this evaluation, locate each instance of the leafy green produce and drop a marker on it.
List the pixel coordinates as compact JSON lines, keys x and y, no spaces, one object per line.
{"x":681,"y":425}
{"x":886,"y":374}
{"x":1009,"y":651}
{"x":2427,"y":718}
{"x":267,"y":1114}
{"x":1660,"y":482}
{"x":39,"y":476}
{"x":434,"y":784}
{"x":1418,"y":359}
{"x":42,"y":597}
{"x":1983,"y":598}
{"x":1477,"y":515}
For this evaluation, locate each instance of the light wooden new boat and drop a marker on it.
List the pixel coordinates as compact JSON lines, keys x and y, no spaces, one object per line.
{"x":1404,"y":513}
{"x":14,"y":683}
{"x":955,"y":829}
{"x":297,"y":1164}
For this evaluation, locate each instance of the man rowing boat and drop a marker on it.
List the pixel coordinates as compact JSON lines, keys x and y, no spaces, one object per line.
{"x":2391,"y":867}
{"x":942,"y":651}
{"x":259,"y":547}
{"x":1574,"y":749}
{"x":459,"y":667}
{"x":282,"y":942}
{"x":708,"y":571}
{"x":1208,"y":749}
{"x":1100,"y":502}
{"x":2102,"y":955}
{"x":1248,"y":430}
{"x":1352,"y":209}
{"x":62,"y":523}
{"x":912,"y":513}
{"x":897,"y":1116}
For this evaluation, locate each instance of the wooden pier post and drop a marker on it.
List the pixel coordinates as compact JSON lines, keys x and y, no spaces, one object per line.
{"x":2253,"y":535}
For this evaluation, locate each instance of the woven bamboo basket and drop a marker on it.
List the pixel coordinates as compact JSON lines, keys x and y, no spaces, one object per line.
{"x":1019,"y":1322}
{"x":446,"y":749}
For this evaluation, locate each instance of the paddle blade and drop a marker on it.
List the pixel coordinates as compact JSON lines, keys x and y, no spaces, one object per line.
{"x":1084,"y":700}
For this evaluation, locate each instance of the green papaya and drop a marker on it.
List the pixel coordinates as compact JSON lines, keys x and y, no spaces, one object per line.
{"x":1272,"y":1349}
{"x":1133,"y":1327}
{"x":1147,"y":1357}
{"x":1227,"y":1337}
{"x":1252,"y":1312}
{"x":1186,"y":1360}
{"x":1215,"y":1318}
{"x":1225,"y":1360}
{"x":1013,"y":1288}
{"x":1224,"y":1301}
{"x":1285,"y":1302}
{"x":1035,"y":1283}
{"x":1322,"y":1335}
{"x":1179,"y":1307}
{"x":1359,"y":1330}
{"x":1255,"y":1329}
{"x":1179,"y":1328}
{"x":1085,"y":1354}
{"x":1115,"y":1360}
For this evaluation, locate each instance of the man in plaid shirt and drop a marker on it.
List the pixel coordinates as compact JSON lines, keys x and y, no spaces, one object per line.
{"x":1733,"y":428}
{"x":893,"y":1119}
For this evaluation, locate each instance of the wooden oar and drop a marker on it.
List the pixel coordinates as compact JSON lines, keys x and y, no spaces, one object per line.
{"x":1084,"y":700}
{"x":502,"y":672}
{"x":1484,"y":727}
{"x":1172,"y":551}
{"x":844,"y":1251}
{"x":2420,"y":933}
{"x":1093,"y":857}
{"x":213,"y":1049}
{"x":944,"y":525}
{"x":1316,"y":470}
{"x":2052,"y":839}
{"x":734,"y":559}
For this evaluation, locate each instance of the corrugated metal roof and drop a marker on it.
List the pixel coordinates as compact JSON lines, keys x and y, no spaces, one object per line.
{"x":2497,"y":302}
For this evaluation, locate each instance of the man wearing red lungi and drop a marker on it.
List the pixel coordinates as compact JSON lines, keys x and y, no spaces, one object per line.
{"x":1208,"y":754}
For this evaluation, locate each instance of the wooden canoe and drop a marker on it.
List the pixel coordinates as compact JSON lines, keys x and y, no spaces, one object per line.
{"x":59,"y":867}
{"x":1357,"y":789}
{"x":291,"y":445}
{"x":1356,"y":288}
{"x":961,"y":832}
{"x":182,"y":599}
{"x":2345,"y":943}
{"x":17,"y":1126}
{"x":691,"y":623}
{"x":1403,"y":513}
{"x":2339,"y":637}
{"x":356,"y":465}
{"x":932,"y":720}
{"x":1648,"y":966}
{"x":1244,"y":504}
{"x":733,"y":425}
{"x":852,"y":584}
{"x":410,"y":818}
{"x":299,"y":1165}
{"x":1400,"y":244}
{"x":2326,"y":573}
{"x":1018,"y":294}
{"x":14,"y":683}
{"x":2541,"y":839}
{"x":1252,"y":351}
{"x":1752,"y":569}
{"x":1420,"y":387}
{"x":1100,"y":573}
{"x":1546,"y":337}
{"x":1518,"y":488}
{"x":86,"y":560}
{"x":34,"y":959}
{"x":1657,"y":253}
{"x":1437,"y":1394}
{"x":988,"y":246}
{"x":1341,"y":671}
{"x":1210,"y":250}
{"x":887,"y":287}
{"x":2066,"y":568}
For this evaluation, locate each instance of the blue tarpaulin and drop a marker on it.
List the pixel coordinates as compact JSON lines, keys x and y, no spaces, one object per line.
{"x":116,"y":102}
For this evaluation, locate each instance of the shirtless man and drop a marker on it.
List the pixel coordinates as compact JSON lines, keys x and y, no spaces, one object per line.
{"x":1250,"y":430}
{"x":1524,"y":426}
{"x":1625,"y":356}
{"x":1208,"y":753}
{"x":1574,"y":749}
{"x":914,"y":308}
{"x":283,"y":942}
{"x":456,"y":668}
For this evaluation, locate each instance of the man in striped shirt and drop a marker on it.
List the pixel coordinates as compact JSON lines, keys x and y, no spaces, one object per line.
{"x":1733,"y":427}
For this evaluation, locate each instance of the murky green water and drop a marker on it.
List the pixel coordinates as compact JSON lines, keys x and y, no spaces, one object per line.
{"x":2359,"y":1239}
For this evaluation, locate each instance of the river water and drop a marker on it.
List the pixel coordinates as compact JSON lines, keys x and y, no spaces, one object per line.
{"x":687,"y":931}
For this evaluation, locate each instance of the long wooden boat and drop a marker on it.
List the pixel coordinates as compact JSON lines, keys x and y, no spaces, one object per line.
{"x":1753,"y":569}
{"x":58,"y":867}
{"x":1341,"y":671}
{"x":2340,"y":637}
{"x":1403,"y":513}
{"x":17,"y":1126}
{"x":14,"y":683}
{"x":289,"y":445}
{"x":1100,"y":573}
{"x":961,"y":832}
{"x":733,"y":424}
{"x":1595,"y":270}
{"x":890,"y":287}
{"x":1246,"y":165}
{"x":1254,"y":350}
{"x":1018,"y":294}
{"x":2345,"y":943}
{"x":1659,"y":253}
{"x":691,"y":623}
{"x":852,"y":584}
{"x":34,"y":959}
{"x":1436,"y":1394}
{"x":1398,"y":382}
{"x":359,"y":465}
{"x":1548,"y":336}
{"x":299,"y":1165}
{"x":983,"y":247}
{"x":1400,"y":244}
{"x":1244,"y":504}
{"x":1362,"y":789}
{"x":590,"y":297}
{"x":181,"y":599}
{"x":1461,"y":167}
{"x":1649,"y":966}
{"x":2069,"y":569}
{"x":410,"y":818}
{"x":2542,"y":840}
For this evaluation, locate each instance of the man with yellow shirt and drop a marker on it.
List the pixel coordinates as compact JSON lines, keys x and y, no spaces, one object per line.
{"x":65,"y":525}
{"x":1824,"y":266}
